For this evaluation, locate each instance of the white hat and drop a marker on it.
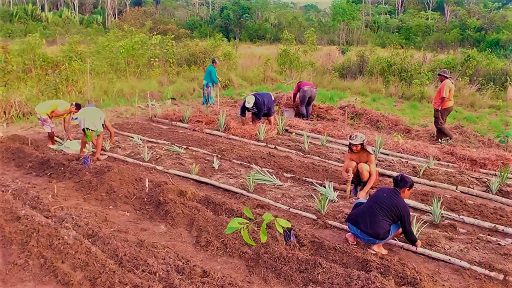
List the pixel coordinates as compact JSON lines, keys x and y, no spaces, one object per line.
{"x":249,"y":101}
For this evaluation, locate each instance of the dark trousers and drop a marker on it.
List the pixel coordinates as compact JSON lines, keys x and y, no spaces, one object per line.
{"x":440,"y":117}
{"x":307,"y":96}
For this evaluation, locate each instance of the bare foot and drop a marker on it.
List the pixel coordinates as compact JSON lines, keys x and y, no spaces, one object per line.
{"x":351,"y":239}
{"x":101,"y":158}
{"x":379,"y":249}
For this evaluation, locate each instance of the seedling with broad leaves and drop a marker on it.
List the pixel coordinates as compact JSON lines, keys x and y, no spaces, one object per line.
{"x":437,"y":210}
{"x":494,"y":185}
{"x":251,"y":224}
{"x":418,"y":226}
{"x":176,"y":149}
{"x":216,"y":163}
{"x":262,"y":130}
{"x":327,"y":190}
{"x":281,"y":124}
{"x":264,"y":177}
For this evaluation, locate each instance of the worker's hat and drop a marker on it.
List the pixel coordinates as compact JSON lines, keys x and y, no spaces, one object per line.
{"x":357,"y":139}
{"x":249,"y":101}
{"x":445,"y":73}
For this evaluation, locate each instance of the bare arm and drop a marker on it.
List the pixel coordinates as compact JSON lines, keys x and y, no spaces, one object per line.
{"x":66,"y":122}
{"x":57,"y":113}
{"x":345,"y":169}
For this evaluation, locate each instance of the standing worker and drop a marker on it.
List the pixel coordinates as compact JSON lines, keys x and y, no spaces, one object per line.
{"x":92,"y":121}
{"x":261,"y":105}
{"x":360,"y":168}
{"x":443,"y":106}
{"x":307,"y":95}
{"x":51,"y":110}
{"x":210,"y":82}
{"x":384,"y":216}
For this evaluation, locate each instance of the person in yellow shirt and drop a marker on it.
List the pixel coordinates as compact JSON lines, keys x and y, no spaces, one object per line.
{"x":93,"y":122}
{"x":443,"y":106}
{"x":49,"y":111}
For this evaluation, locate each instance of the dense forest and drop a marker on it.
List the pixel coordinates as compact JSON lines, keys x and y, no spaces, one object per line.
{"x":437,"y":25}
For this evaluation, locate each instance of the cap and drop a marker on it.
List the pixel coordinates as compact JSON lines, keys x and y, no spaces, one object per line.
{"x":357,"y":139}
{"x":249,"y":101}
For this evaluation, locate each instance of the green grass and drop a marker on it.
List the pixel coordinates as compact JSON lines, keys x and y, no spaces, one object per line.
{"x":331,"y":97}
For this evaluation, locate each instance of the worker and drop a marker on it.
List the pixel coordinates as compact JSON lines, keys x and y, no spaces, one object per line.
{"x":210,"y":82}
{"x":307,"y":95}
{"x":443,"y":106}
{"x":92,"y":121}
{"x":261,"y":105}
{"x":360,"y":167}
{"x":383,"y":216}
{"x":49,"y":111}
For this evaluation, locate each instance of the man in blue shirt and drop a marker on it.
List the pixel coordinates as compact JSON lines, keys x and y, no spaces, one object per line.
{"x":210,"y":82}
{"x":261,"y":105}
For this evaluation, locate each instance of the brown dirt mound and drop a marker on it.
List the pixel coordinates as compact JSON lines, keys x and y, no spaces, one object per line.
{"x":103,"y":230}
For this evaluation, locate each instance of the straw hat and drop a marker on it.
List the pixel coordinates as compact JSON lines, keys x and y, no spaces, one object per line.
{"x":445,"y":73}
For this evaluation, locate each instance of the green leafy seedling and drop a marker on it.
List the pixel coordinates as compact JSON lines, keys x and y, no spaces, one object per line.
{"x":305,"y":144}
{"x":221,"y":122}
{"x":176,"y":149}
{"x":281,"y":124}
{"x":194,"y":169}
{"x":262,"y":130}
{"x":437,"y":211}
{"x":418,"y":226}
{"x":216,"y":163}
{"x":185,"y":118}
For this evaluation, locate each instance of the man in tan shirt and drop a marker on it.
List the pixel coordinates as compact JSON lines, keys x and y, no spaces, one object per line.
{"x":443,"y":106}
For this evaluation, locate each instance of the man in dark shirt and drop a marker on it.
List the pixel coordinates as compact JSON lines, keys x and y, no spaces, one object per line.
{"x":261,"y":105}
{"x":383,"y":216}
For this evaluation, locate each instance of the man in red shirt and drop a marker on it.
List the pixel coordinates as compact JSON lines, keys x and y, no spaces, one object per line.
{"x":307,"y":95}
{"x":443,"y":106}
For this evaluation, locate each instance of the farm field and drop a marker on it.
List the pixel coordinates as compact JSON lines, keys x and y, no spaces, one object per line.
{"x":118,"y":223}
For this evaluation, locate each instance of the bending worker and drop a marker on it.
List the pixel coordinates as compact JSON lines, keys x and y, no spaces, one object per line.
{"x":92,"y":121}
{"x":307,"y":95}
{"x":360,"y":167}
{"x":261,"y":105}
{"x":384,"y":216}
{"x":52,"y":110}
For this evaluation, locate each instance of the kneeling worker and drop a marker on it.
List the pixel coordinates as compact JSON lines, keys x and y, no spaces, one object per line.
{"x":360,"y":166}
{"x":92,"y":122}
{"x":52,"y":110}
{"x":261,"y":105}
{"x":384,"y":216}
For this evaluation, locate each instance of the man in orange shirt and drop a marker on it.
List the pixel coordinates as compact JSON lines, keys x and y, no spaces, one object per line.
{"x":443,"y":106}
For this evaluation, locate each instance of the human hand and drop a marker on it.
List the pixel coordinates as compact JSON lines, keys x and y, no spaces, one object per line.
{"x":418,"y":244}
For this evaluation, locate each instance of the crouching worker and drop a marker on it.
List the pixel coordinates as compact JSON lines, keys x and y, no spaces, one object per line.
{"x":307,"y":95}
{"x":360,"y":167}
{"x":92,"y":122}
{"x":261,"y":105}
{"x":382,"y":217}
{"x":49,"y":111}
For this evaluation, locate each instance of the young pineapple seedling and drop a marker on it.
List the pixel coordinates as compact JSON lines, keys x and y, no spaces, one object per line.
{"x":321,"y":203}
{"x":305,"y":144}
{"x":216,"y":163}
{"x":281,"y":124}
{"x":194,"y":169}
{"x":327,"y":190}
{"x":418,"y":226}
{"x":261,"y":176}
{"x":176,"y":149}
{"x":186,"y":116}
{"x":146,"y":154}
{"x":324,"y":140}
{"x":106,"y":145}
{"x":379,"y":143}
{"x":136,"y":140}
{"x":249,"y":181}
{"x":261,"y":132}
{"x":437,"y":211}
{"x":222,"y":121}
{"x":503,"y":174}
{"x":430,"y":164}
{"x":494,"y":185}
